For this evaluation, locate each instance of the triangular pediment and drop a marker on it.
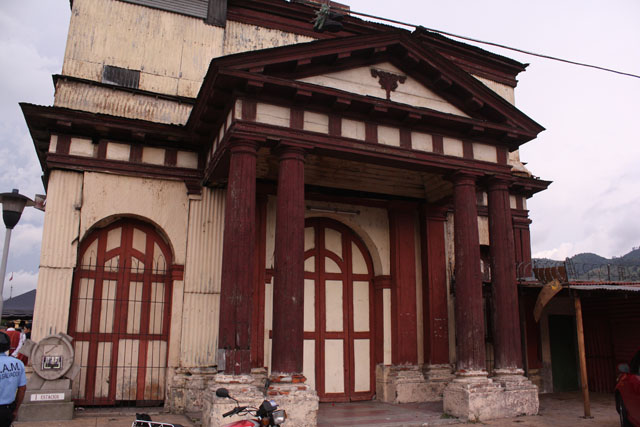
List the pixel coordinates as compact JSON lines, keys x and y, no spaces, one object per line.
{"x":351,"y":75}
{"x":385,"y":81}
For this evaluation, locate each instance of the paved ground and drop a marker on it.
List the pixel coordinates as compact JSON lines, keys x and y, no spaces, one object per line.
{"x":557,"y":410}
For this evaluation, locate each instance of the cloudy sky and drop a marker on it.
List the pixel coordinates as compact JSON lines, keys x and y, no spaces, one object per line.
{"x":590,"y":150}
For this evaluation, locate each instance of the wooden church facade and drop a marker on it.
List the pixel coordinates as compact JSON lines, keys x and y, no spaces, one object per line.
{"x":343,"y":212}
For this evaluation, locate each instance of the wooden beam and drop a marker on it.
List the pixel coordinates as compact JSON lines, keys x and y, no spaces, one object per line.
{"x":583,"y":359}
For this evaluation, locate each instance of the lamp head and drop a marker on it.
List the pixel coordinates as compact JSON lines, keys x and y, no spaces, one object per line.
{"x":12,"y":206}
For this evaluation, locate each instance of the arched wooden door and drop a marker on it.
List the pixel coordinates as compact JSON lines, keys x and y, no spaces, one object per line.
{"x":338,"y":321}
{"x":120,"y":315}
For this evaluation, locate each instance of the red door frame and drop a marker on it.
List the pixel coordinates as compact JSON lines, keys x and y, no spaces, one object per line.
{"x":347,"y":335}
{"x":123,"y":277}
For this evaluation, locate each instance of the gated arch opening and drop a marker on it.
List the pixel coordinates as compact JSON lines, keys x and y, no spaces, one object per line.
{"x":339,"y":322}
{"x":120,"y":315}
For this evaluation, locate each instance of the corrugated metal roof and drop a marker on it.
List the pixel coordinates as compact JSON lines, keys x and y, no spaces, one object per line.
{"x":590,"y":286}
{"x":607,"y":286}
{"x":196,"y":8}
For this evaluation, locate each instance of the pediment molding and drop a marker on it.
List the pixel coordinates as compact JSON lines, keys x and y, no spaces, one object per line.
{"x":272,"y":73}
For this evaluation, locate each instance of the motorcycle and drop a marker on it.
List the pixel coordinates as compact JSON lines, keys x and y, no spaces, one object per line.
{"x":266,"y":415}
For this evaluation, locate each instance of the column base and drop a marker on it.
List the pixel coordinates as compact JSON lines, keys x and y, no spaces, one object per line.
{"x":186,"y":389}
{"x":411,"y":383}
{"x":248,"y":389}
{"x":474,"y":397}
{"x":297,"y":398}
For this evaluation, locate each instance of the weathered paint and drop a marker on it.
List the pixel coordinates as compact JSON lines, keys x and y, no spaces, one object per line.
{"x":360,"y":81}
{"x":151,"y":34}
{"x":58,"y":255}
{"x":421,"y":141}
{"x":389,"y":136}
{"x":370,"y":224}
{"x":505,"y":91}
{"x":289,"y":268}
{"x":102,"y":100}
{"x":403,"y":275}
{"x":201,"y":282}
{"x":485,"y":152}
{"x":316,"y":122}
{"x":241,"y":37}
{"x":469,"y":312}
{"x":163,"y":203}
{"x":204,"y":250}
{"x":452,"y":147}
{"x":81,"y":147}
{"x":503,"y":277}
{"x":239,"y":241}
{"x":273,"y":115}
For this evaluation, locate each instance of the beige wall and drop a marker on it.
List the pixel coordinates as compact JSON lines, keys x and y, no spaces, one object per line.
{"x":360,"y":81}
{"x":200,"y":308}
{"x":172,"y":51}
{"x":59,"y":253}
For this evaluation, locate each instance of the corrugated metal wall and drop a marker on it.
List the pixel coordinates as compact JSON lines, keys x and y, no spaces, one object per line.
{"x":101,"y":100}
{"x":202,"y":279}
{"x":197,"y":8}
{"x":612,"y":322}
{"x":59,"y":253}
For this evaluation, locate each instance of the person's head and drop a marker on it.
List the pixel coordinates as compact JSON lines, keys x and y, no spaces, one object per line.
{"x":5,"y":342}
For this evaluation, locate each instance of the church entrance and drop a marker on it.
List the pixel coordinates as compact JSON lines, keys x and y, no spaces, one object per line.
{"x":338,"y":332}
{"x":120,"y":314}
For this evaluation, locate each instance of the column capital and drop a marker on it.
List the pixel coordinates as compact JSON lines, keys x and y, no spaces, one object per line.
{"x":290,"y":151}
{"x":464,"y":177}
{"x":245,"y":146}
{"x":498,"y":182}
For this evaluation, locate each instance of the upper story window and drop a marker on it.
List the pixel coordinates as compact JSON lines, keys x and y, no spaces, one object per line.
{"x":121,"y":76}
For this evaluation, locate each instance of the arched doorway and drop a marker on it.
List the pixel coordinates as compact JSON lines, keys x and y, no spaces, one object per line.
{"x":120,"y":315}
{"x":338,"y":321}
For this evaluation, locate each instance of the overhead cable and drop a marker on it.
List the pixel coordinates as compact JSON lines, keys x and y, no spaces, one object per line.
{"x":526,"y":52}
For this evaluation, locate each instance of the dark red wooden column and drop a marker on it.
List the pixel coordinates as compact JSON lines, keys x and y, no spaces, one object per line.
{"x":468,"y":278}
{"x":508,"y":352}
{"x":522,"y":239}
{"x":434,"y":282}
{"x":404,"y":328}
{"x":288,"y":286}
{"x":234,"y":342}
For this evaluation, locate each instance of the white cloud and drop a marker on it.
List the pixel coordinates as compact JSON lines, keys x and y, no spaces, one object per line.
{"x":565,"y":250}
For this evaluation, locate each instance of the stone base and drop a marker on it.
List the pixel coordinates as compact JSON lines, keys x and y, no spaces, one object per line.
{"x":45,"y":411}
{"x":290,"y":393}
{"x":477,"y":398}
{"x":411,"y":383}
{"x":296,"y":397}
{"x":186,"y":388}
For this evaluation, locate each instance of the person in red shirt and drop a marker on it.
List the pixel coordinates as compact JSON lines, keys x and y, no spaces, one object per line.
{"x":14,"y":337}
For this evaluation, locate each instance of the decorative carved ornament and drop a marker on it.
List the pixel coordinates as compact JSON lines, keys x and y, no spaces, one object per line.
{"x":388,"y":81}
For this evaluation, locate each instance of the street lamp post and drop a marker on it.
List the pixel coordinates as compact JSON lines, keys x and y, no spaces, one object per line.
{"x":12,"y":205}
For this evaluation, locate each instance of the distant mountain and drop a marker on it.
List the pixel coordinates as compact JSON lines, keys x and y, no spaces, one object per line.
{"x":632,"y":258}
{"x":589,"y":258}
{"x":590,"y":266}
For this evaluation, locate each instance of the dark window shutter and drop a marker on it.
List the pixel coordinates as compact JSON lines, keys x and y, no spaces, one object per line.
{"x":121,"y":76}
{"x":217,"y":13}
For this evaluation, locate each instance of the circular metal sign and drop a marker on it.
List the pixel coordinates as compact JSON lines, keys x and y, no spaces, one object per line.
{"x":52,"y":357}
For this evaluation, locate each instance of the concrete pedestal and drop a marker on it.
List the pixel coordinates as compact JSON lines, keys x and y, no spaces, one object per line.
{"x":411,"y":383}
{"x":297,"y":398}
{"x":187,"y":387}
{"x":50,"y":401}
{"x":291,"y":393}
{"x":475,"y":397}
